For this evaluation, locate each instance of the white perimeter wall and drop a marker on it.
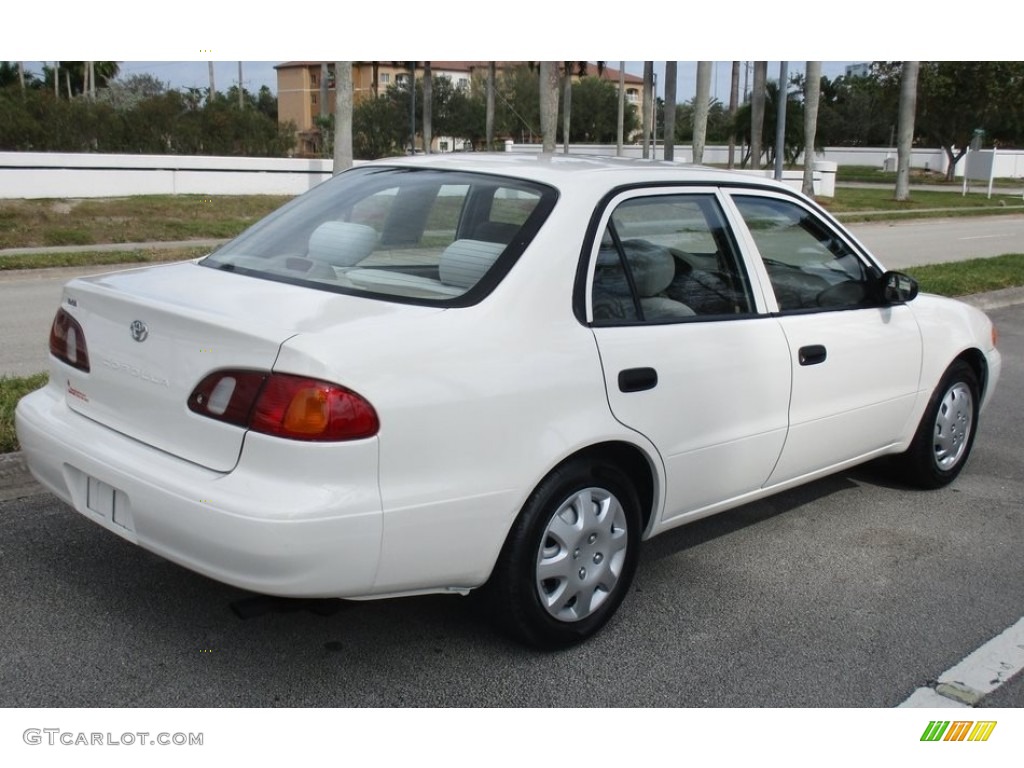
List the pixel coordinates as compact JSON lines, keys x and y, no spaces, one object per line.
{"x":46,"y":174}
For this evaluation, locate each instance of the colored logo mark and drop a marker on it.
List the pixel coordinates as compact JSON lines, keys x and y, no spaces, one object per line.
{"x":958,"y":730}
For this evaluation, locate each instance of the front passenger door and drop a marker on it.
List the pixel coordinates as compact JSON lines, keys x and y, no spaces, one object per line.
{"x":855,"y":361}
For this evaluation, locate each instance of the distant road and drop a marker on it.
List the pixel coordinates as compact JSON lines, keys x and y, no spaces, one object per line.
{"x":29,"y":298}
{"x":904,"y":244}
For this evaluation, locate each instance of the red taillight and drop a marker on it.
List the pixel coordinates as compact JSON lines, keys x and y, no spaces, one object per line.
{"x":285,"y":406}
{"x":67,"y":341}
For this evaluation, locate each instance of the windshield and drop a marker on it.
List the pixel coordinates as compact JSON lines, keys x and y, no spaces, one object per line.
{"x":418,"y":235}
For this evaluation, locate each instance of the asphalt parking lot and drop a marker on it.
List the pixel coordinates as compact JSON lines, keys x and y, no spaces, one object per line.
{"x":850,"y":592}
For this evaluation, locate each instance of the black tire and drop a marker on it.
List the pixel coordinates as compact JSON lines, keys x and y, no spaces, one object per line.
{"x":581,"y":529}
{"x":945,"y":435}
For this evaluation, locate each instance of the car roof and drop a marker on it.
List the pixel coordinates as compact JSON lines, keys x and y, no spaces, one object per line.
{"x":564,"y":171}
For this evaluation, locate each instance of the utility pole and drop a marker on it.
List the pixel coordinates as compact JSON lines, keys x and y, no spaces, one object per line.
{"x":213,"y":86}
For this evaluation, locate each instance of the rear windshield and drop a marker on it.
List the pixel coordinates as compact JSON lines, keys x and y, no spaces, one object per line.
{"x":414,"y":235}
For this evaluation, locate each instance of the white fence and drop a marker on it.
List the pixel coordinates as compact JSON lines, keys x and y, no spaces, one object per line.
{"x":44,"y":174}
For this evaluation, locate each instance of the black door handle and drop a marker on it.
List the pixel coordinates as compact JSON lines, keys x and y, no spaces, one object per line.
{"x":637,"y":379}
{"x":812,"y":355}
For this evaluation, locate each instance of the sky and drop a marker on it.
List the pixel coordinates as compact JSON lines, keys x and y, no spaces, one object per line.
{"x":255,"y":74}
{"x":175,"y":44}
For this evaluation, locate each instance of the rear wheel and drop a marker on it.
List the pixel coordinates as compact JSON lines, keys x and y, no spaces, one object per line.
{"x":946,"y":433}
{"x":570,"y":556}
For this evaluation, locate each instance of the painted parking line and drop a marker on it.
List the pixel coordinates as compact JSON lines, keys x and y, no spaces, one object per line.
{"x":977,"y":675}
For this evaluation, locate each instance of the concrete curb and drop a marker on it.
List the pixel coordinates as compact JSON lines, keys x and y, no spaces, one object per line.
{"x":16,"y":482}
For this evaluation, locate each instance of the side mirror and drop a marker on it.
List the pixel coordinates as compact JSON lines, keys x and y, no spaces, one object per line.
{"x":898,"y":288}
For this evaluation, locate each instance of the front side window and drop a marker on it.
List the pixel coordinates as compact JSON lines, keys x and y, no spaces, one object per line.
{"x":668,"y":258}
{"x":809,"y":265}
{"x":415,"y":235}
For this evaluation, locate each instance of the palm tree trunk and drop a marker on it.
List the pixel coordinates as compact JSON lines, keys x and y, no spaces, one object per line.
{"x":812,"y":95}
{"x":428,"y":105}
{"x":757,"y":111}
{"x":647,"y":105}
{"x":491,"y":67}
{"x":734,"y":105}
{"x":566,"y":105}
{"x":56,"y":79}
{"x":213,"y":86}
{"x":342,"y":116}
{"x":905,"y":131}
{"x":548,"y":105}
{"x":622,"y":109}
{"x":701,"y":107}
{"x":671,"y":69}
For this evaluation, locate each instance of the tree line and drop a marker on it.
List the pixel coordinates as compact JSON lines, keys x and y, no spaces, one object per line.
{"x":136,"y":115}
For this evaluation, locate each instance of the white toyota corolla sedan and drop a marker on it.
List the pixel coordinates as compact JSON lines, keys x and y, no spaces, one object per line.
{"x":494,"y":372}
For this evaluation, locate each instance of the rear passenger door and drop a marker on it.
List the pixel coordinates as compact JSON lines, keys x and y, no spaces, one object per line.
{"x":692,"y":360}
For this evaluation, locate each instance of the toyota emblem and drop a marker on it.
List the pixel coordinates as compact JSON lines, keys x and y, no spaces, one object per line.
{"x":139,"y":330}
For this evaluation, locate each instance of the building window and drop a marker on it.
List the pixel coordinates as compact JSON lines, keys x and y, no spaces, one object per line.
{"x":632,"y":95}
{"x":385,"y":78}
{"x":402,"y":79}
{"x":313,"y":80}
{"x":313,"y":99}
{"x":463,"y":82}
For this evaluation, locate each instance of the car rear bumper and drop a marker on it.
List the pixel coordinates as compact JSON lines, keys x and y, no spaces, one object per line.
{"x":291,"y":519}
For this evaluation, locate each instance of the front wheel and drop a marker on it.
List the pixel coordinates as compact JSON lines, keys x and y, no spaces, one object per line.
{"x":570,"y":556}
{"x":946,"y":433}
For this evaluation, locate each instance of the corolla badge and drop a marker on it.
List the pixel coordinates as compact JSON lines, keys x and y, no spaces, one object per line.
{"x":139,"y":330}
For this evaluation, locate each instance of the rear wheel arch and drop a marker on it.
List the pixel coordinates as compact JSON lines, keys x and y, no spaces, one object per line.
{"x":634,"y":463}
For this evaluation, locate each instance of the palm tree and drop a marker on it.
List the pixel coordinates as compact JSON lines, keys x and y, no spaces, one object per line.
{"x":701,"y":107}
{"x":489,"y":131}
{"x":622,"y":108}
{"x":647,"y":105}
{"x":342,"y":116}
{"x":905,"y":131}
{"x":548,"y":104}
{"x":428,"y":97}
{"x":671,"y":68}
{"x":734,"y":105}
{"x":812,"y":94}
{"x":757,"y":112}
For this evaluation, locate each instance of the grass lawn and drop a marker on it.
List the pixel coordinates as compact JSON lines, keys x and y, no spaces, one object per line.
{"x":975,"y":276}
{"x":850,"y":203}
{"x":12,"y":389}
{"x":27,"y":223}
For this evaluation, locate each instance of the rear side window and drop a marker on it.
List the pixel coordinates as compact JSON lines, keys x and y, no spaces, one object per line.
{"x":412,"y":235}
{"x":668,"y":258}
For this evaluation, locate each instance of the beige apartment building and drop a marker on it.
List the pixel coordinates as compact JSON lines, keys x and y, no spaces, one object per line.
{"x":305,"y":89}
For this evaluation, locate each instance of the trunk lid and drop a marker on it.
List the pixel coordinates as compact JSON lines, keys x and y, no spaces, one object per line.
{"x":153,"y":334}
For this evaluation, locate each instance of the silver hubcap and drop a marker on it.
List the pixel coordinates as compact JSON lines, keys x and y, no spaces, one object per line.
{"x":953,"y":425}
{"x":581,"y":554}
